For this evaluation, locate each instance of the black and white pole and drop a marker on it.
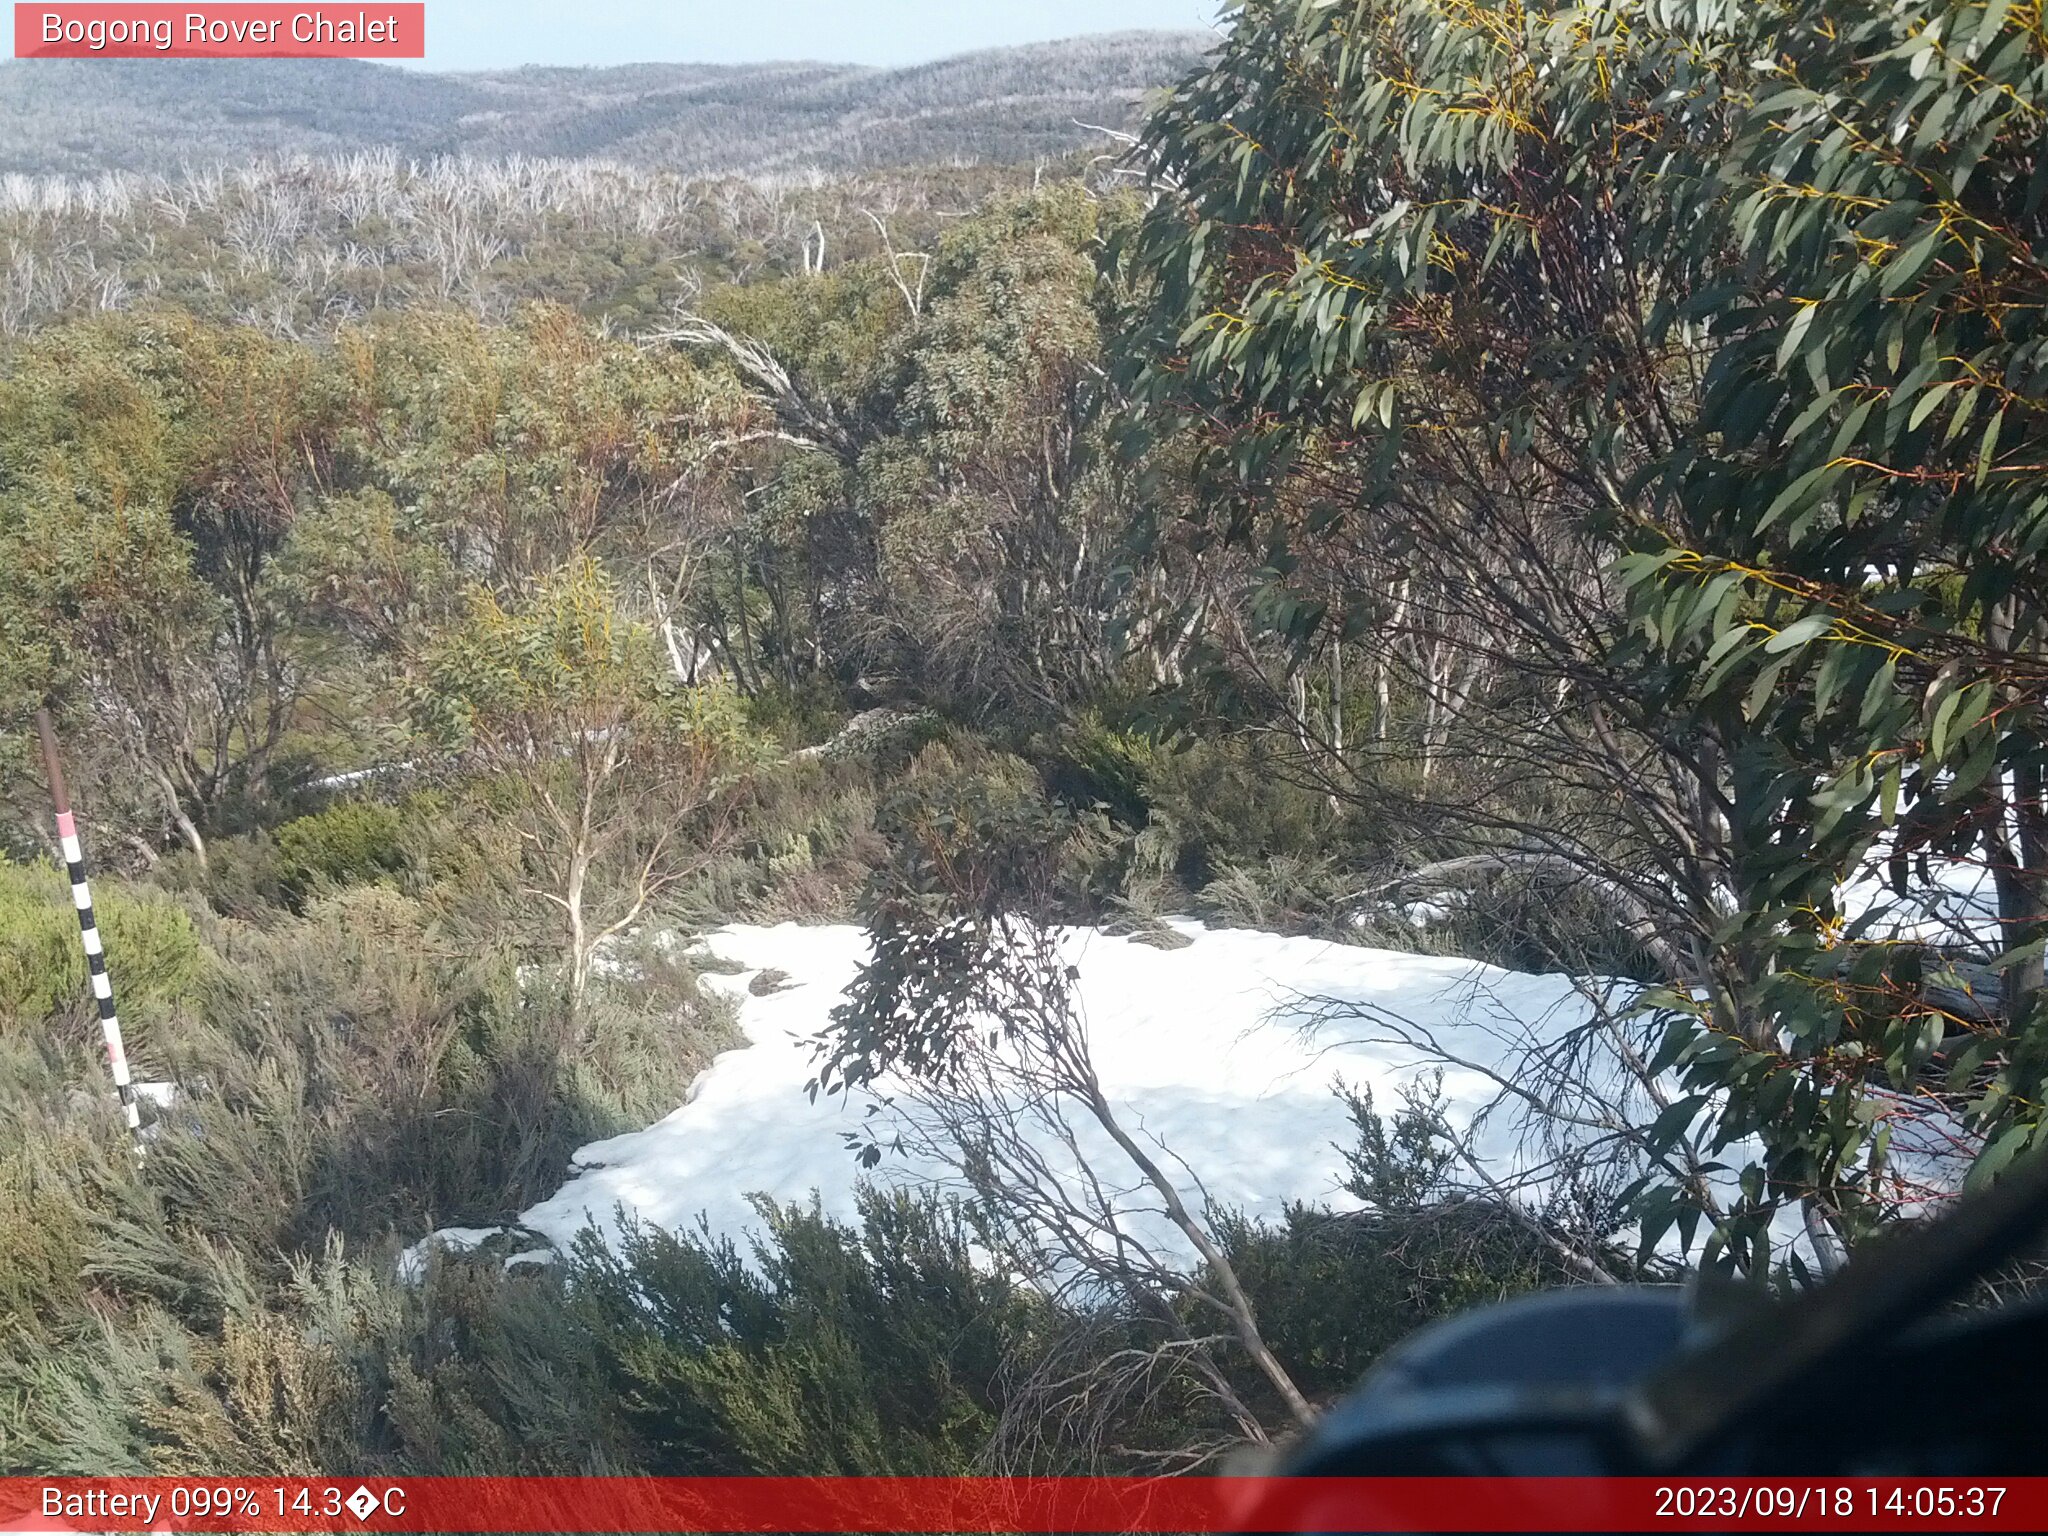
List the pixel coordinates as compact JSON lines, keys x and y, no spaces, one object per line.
{"x":88,"y":928}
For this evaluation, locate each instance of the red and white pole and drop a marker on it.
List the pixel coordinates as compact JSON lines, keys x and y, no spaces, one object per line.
{"x":88,"y":927}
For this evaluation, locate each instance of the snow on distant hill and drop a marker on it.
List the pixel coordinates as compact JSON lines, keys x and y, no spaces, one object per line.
{"x":1000,"y":106}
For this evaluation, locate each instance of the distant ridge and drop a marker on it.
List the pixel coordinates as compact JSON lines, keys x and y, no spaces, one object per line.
{"x":1003,"y":105}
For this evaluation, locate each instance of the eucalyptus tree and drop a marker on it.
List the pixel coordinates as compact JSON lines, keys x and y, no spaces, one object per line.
{"x":608,"y":774}
{"x":1672,"y":366}
{"x":152,"y":474}
{"x":923,"y":477}
{"x":1847,"y":557}
{"x":1405,"y":294}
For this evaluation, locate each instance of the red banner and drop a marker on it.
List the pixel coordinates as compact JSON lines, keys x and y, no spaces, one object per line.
{"x":364,"y":31}
{"x":1021,"y":1504}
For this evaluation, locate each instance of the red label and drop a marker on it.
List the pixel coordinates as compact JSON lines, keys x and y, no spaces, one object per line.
{"x":1018,"y":1506}
{"x":374,"y":31}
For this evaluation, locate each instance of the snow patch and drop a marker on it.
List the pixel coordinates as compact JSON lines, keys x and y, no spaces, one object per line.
{"x":412,"y":1263}
{"x":1227,"y":1051}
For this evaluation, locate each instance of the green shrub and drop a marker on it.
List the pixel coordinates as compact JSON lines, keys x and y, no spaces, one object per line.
{"x":148,"y":1331}
{"x":1094,"y":763}
{"x":874,"y":1349}
{"x":968,"y":831}
{"x":811,"y":840}
{"x":357,"y":842}
{"x":354,"y":1071}
{"x":240,"y":878}
{"x":1282,"y":892}
{"x":43,"y":1259}
{"x":796,"y":714}
{"x":153,"y":952}
{"x":1335,"y":1290}
{"x":1207,"y":823}
{"x":1537,"y":924}
{"x":1234,"y":803}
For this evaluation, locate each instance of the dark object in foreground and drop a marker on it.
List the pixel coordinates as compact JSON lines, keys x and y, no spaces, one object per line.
{"x":1862,"y":1376}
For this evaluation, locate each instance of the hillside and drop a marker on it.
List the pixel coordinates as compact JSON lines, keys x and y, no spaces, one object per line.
{"x":1012,"y":104}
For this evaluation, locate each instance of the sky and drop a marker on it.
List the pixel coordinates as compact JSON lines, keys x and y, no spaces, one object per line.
{"x":500,"y":34}
{"x":495,"y":34}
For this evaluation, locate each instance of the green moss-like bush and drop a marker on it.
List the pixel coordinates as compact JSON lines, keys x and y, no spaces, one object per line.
{"x":840,"y":1349}
{"x":357,"y":842}
{"x":153,"y":951}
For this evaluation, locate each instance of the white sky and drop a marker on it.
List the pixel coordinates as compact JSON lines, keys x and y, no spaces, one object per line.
{"x":499,"y":34}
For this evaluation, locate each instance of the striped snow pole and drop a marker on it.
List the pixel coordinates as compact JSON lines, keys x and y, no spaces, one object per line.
{"x":88,"y":927}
